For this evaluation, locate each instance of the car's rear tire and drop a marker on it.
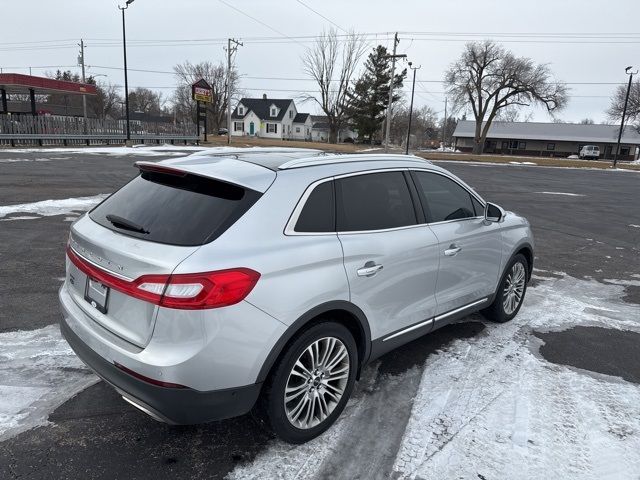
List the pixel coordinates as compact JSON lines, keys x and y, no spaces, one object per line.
{"x":310,"y":384}
{"x":511,"y":291}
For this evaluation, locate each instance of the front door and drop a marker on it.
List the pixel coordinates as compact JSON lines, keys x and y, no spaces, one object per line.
{"x":469,"y":247}
{"x":251,"y":128}
{"x":391,"y":262}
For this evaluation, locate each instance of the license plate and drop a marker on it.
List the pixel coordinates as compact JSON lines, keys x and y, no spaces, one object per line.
{"x":97,"y":295}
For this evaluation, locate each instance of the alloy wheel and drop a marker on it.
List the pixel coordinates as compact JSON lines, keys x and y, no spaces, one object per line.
{"x":317,"y":382}
{"x":513,"y":288}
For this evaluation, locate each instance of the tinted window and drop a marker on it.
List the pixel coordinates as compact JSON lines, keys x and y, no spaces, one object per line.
{"x":374,"y":201}
{"x":477,"y":206}
{"x":177,"y":210}
{"x":444,"y":199}
{"x":318,"y":212}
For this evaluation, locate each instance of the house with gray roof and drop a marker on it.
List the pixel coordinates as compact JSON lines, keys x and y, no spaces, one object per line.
{"x":270,"y":118}
{"x":549,"y":139}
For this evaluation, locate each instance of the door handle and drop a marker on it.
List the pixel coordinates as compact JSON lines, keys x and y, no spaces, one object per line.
{"x":369,"y":269}
{"x":453,"y":250}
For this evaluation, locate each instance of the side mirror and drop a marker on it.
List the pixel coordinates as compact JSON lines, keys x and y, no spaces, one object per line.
{"x":493,"y":213}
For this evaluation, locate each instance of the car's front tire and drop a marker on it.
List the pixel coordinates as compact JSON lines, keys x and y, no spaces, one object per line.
{"x":511,"y":291}
{"x":311,"y":383}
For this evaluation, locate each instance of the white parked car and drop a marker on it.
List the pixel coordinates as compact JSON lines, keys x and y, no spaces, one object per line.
{"x":590,"y":152}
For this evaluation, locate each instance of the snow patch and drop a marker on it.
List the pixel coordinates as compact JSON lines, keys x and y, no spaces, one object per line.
{"x":633,"y":225}
{"x":38,"y":372}
{"x":16,"y":160}
{"x":626,"y":283}
{"x":48,"y":208}
{"x":523,"y":163}
{"x":563,"y":193}
{"x":501,"y":411}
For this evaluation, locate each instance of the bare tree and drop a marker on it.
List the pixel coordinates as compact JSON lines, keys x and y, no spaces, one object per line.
{"x":513,"y":113}
{"x":488,"y":78}
{"x":633,"y":106}
{"x":587,"y":121}
{"x":332,"y":62}
{"x":106,"y":102}
{"x":145,"y":100}
{"x":424,"y":126}
{"x":187,"y":74}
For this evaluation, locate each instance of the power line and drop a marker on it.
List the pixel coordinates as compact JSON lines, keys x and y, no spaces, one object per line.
{"x":321,"y":15}
{"x":306,"y":79}
{"x":255,"y":19}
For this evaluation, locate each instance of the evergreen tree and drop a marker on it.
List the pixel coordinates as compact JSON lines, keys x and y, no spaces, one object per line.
{"x":369,"y":97}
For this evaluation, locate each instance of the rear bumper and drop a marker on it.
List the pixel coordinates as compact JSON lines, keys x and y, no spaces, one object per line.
{"x":180,"y":406}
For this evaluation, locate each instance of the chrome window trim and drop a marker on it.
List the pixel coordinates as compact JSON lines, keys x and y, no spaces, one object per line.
{"x":293,"y":219}
{"x":289,"y":229}
{"x":470,"y":191}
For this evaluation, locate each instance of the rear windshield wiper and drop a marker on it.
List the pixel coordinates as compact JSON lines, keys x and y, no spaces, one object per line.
{"x":125,"y":224}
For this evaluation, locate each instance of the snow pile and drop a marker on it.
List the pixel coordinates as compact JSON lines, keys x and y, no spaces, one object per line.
{"x":490,"y":406}
{"x":48,"y":208}
{"x":523,"y":163}
{"x":447,"y":149}
{"x":573,"y":157}
{"x":38,"y":372}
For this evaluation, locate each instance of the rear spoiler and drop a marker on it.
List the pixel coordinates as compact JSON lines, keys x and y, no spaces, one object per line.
{"x":157,"y":168}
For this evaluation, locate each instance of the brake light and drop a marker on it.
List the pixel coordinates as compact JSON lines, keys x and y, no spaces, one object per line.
{"x":193,"y":291}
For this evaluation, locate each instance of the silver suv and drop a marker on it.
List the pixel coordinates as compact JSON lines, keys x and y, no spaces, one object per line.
{"x":265,"y":280}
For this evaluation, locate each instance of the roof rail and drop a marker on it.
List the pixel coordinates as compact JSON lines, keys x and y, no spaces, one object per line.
{"x":328,"y":159}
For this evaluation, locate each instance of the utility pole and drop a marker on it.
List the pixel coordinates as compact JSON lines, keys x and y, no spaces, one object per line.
{"x":393,"y":75}
{"x":84,"y":97}
{"x":126,"y":82}
{"x":231,"y":49}
{"x":413,"y":88}
{"x":444,"y":123}
{"x":624,"y":113}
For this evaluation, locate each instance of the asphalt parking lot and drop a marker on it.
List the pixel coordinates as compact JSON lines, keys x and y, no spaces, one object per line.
{"x":586,"y":225}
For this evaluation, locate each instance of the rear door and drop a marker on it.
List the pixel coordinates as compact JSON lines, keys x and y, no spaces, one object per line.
{"x":391,"y":262}
{"x":470,"y":249}
{"x":147,"y":227}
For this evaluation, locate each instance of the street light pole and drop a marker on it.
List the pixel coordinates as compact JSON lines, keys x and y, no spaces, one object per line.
{"x":624,"y":113}
{"x":413,"y":88}
{"x":126,"y":82}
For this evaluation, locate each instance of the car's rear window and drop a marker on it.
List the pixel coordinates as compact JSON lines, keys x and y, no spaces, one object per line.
{"x":177,"y":210}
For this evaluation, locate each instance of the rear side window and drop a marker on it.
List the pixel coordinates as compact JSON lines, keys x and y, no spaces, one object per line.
{"x":318,"y":213}
{"x":443,"y":198}
{"x":177,"y":210}
{"x":373,"y":201}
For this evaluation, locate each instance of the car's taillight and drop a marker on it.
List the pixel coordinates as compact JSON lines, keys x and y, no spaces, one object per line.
{"x":192,"y":291}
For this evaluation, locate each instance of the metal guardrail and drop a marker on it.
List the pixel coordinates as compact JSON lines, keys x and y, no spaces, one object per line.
{"x":26,"y":130}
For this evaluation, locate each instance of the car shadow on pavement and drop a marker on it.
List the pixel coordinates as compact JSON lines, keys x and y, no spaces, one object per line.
{"x":97,"y":435}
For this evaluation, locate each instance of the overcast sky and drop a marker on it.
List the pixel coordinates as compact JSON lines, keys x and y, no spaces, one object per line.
{"x":596,"y":39}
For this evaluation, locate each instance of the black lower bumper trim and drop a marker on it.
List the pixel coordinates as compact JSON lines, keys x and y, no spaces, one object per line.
{"x":182,"y":406}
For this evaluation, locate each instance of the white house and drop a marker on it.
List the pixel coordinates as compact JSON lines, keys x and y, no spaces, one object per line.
{"x":270,"y":118}
{"x":302,"y":127}
{"x":320,"y":130}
